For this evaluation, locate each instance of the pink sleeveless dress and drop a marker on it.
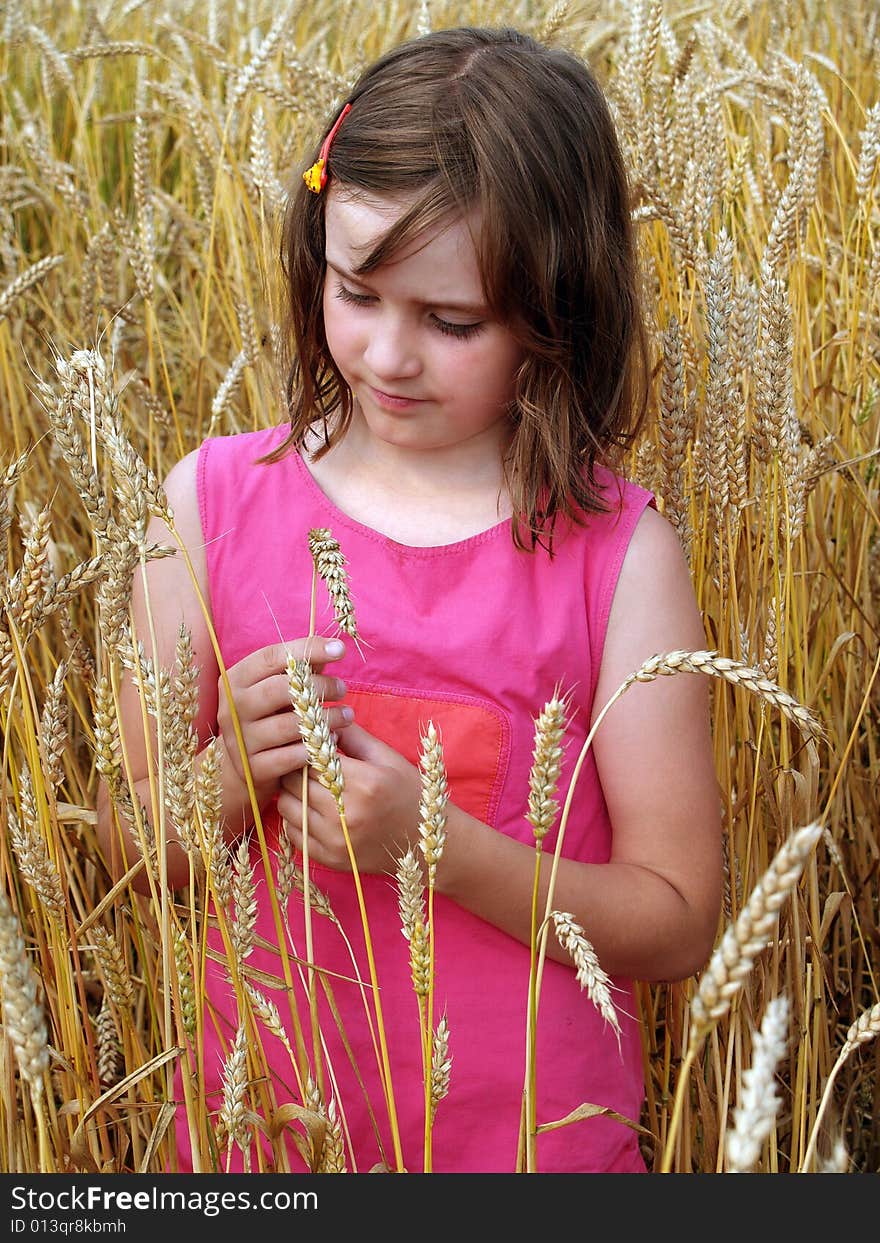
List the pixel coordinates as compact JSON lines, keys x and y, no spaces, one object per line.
{"x":474,"y":636}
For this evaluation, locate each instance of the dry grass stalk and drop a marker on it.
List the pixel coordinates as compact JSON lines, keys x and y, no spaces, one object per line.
{"x":590,"y":975}
{"x":330,"y":566}
{"x":759,"y":1103}
{"x":543,"y":807}
{"x":743,"y":941}
{"x":24,"y":1020}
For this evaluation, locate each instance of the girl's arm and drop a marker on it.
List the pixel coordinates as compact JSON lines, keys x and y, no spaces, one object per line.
{"x":163,"y":599}
{"x":651,"y":912}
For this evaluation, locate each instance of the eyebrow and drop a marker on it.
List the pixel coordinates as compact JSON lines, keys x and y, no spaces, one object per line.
{"x":472,"y":308}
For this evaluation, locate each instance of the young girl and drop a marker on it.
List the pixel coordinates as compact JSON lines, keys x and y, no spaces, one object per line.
{"x":468,"y":363}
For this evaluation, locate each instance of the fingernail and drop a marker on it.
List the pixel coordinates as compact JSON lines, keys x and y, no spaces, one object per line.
{"x":334,"y":647}
{"x":348,"y":714}
{"x":340,"y":689}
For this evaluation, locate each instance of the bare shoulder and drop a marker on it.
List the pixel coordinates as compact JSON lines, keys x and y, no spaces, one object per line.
{"x":654,"y":607}
{"x":181,"y":488}
{"x":174,"y":583}
{"x":654,"y":561}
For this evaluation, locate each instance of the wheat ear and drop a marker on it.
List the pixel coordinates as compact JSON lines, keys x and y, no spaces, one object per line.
{"x":744,"y":940}
{"x":759,"y":1099}
{"x":734,"y":958}
{"x":864,"y":1029}
{"x":330,"y":566}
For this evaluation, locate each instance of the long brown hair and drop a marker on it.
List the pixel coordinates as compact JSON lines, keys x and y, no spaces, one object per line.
{"x":490,"y":119}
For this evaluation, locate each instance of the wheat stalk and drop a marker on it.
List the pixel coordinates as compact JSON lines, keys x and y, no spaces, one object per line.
{"x":433,"y":801}
{"x":744,"y":940}
{"x":759,"y":1098}
{"x":738,"y":674}
{"x":590,"y":975}
{"x":233,"y":1114}
{"x":543,"y":807}
{"x":26,"y":280}
{"x":314,"y":728}
{"x":330,"y":566}
{"x":411,"y":903}
{"x":441,"y":1065}
{"x":23,"y":1016}
{"x":865,"y":1029}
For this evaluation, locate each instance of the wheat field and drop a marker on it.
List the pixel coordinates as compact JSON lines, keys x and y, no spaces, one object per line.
{"x":146,"y":150}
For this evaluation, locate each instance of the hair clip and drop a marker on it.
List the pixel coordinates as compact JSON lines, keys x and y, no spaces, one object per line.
{"x":316,"y":176}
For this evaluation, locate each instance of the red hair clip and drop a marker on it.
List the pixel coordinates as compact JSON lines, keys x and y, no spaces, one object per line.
{"x":316,"y":176}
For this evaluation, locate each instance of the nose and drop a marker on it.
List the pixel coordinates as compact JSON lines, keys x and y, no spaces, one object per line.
{"x":391,"y":351}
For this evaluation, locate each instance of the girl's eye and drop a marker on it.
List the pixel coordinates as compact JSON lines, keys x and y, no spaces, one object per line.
{"x":461,"y":331}
{"x":348,"y":295}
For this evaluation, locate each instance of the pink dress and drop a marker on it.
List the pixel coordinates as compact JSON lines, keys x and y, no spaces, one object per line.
{"x":474,"y":636}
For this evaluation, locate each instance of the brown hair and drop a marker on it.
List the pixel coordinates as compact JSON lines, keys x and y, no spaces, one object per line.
{"x":488,"y":118}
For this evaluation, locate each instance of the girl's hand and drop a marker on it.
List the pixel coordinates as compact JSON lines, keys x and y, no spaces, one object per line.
{"x":269,"y":724}
{"x":381,"y":800}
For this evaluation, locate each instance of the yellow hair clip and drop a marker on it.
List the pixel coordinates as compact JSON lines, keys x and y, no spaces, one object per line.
{"x":316,"y":176}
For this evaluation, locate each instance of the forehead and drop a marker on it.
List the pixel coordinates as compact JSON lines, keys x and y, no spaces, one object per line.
{"x":355,"y":224}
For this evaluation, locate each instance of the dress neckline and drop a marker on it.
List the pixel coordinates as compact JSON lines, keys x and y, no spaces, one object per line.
{"x":341,"y":518}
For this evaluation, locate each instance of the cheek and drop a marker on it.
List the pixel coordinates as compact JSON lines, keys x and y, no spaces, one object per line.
{"x":338,"y":328}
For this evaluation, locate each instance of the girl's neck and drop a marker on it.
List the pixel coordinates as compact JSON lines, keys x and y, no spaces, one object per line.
{"x":414,"y":497}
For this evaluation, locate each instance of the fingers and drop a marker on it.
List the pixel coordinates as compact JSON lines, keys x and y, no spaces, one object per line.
{"x":272,"y":694}
{"x":270,"y":660}
{"x":283,"y":728}
{"x":267,"y":721}
{"x":323,"y":817}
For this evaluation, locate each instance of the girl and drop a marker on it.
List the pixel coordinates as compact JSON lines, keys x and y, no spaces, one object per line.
{"x":468,"y":363}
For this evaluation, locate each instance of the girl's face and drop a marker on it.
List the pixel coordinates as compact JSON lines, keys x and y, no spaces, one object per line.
{"x":428,"y":366}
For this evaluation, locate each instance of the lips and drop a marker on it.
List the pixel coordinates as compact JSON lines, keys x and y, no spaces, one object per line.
{"x":394,"y":401}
